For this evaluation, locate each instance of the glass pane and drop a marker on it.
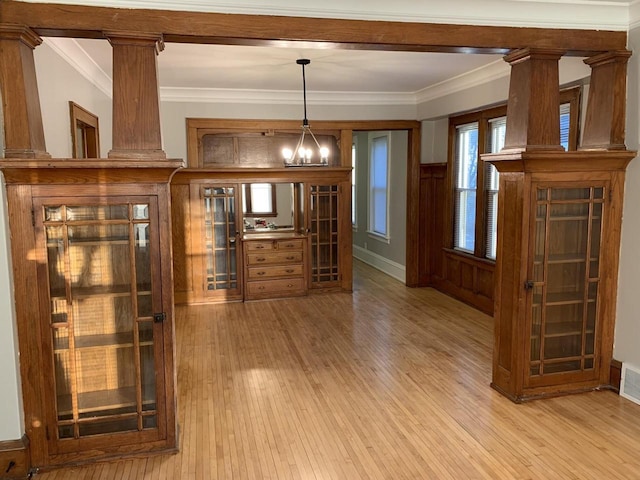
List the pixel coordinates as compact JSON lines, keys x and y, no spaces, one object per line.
{"x":56,"y":266}
{"x":149,"y":421}
{"x":109,"y":426}
{"x":147,"y":366}
{"x":141,"y":212}
{"x":588,"y":363}
{"x":543,"y":193}
{"x":98,"y":212}
{"x":570,"y":193}
{"x":53,"y":214}
{"x":569,"y":366}
{"x":598,"y":193}
{"x":563,"y":346}
{"x":99,"y":257}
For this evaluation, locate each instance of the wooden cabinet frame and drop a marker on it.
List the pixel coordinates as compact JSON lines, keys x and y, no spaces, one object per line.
{"x":58,"y":182}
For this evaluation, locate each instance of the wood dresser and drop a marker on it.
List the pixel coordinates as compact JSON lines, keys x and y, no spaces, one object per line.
{"x":274,"y":265}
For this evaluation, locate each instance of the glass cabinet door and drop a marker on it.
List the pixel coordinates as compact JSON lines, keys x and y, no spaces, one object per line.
{"x":102,"y":290}
{"x":221,"y":231}
{"x":564,"y":281}
{"x":323,"y":227}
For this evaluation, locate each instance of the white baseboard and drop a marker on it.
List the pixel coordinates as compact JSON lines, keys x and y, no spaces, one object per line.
{"x":391,"y":268}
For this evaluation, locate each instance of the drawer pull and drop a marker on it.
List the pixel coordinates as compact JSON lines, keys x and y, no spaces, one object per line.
{"x":289,"y":270}
{"x":260,"y":288}
{"x":291,"y":258}
{"x":260,"y":259}
{"x":289,"y":285}
{"x":289,"y":245}
{"x":259,"y":247}
{"x":260,"y":273}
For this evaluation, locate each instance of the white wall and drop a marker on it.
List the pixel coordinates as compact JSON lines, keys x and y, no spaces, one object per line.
{"x":627,"y":335}
{"x":11,"y":422}
{"x":59,"y":83}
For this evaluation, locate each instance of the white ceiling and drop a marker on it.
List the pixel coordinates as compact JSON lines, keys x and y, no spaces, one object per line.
{"x":195,"y":70}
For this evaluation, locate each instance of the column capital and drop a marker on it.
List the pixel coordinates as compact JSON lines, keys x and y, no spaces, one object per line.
{"x":529,"y":53}
{"x":135,"y":39}
{"x":22,"y":33}
{"x":617,"y":56}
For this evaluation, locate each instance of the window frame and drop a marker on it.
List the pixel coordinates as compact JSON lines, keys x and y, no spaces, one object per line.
{"x":571,"y":95}
{"x":370,"y":228}
{"x":247,"y":210}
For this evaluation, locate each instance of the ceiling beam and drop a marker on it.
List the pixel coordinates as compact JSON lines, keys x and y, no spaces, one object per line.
{"x":82,"y":21}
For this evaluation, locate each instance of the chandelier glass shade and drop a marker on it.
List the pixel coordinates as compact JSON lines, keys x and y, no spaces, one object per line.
{"x":305,"y":154}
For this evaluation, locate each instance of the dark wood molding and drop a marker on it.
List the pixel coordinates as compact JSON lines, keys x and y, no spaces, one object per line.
{"x":24,"y":133}
{"x":604,"y":127}
{"x":533,"y":118}
{"x":615,"y":374}
{"x":136,"y":97}
{"x":431,"y":222}
{"x":15,"y":459}
{"x":200,"y":27}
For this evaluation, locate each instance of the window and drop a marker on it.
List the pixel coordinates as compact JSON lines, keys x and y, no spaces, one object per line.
{"x":378,"y":186}
{"x":475,"y":190}
{"x":466,"y":186}
{"x":259,"y":199}
{"x":353,"y":185}
{"x":497,"y":130}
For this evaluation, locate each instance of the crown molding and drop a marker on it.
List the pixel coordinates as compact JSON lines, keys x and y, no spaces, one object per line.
{"x":472,"y":78}
{"x":282,"y":97}
{"x":634,"y":14}
{"x":71,"y":51}
{"x":594,"y":14}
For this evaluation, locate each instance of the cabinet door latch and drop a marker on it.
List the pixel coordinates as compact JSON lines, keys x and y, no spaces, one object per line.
{"x":528,"y":285}
{"x":159,"y":317}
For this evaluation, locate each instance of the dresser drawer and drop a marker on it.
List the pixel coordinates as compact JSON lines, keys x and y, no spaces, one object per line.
{"x":288,"y":286}
{"x":259,"y":246}
{"x":270,"y":258}
{"x":276,"y":271}
{"x":292,"y":244}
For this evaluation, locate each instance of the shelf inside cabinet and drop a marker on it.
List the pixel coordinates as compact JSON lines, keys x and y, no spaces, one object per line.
{"x":564,"y":258}
{"x":90,"y":242}
{"x":564,"y":299}
{"x":556,"y":330}
{"x":109,"y":340}
{"x":102,"y":290}
{"x":101,"y":400}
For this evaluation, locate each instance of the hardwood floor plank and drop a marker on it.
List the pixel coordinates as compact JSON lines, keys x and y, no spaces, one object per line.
{"x":385,"y":383}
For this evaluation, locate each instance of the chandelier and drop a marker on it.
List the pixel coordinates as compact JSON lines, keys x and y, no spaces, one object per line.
{"x":303,"y":155}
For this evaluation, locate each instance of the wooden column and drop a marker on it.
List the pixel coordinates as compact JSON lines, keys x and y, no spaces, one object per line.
{"x":533,"y":108}
{"x":136,"y":101}
{"x":605,"y":118}
{"x":24,"y":134}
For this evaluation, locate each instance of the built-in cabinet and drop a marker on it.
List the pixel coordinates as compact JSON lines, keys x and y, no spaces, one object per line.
{"x":223,"y":252}
{"x":275,"y":265}
{"x":556,"y":268}
{"x":95,"y":307}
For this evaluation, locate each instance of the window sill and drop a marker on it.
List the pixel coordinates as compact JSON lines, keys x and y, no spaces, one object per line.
{"x":378,"y":237}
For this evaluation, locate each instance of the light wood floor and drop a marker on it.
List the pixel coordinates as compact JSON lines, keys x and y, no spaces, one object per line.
{"x":389,"y":382}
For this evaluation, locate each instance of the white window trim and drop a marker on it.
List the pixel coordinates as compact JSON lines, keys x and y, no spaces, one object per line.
{"x":385,"y":238}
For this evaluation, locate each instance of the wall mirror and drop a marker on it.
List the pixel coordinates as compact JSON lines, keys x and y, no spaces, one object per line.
{"x":269,"y":207}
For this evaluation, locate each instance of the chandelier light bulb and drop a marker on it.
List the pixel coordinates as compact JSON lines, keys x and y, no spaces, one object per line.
{"x":287,"y":154}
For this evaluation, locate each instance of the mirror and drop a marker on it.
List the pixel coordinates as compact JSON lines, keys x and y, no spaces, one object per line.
{"x":268,"y":207}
